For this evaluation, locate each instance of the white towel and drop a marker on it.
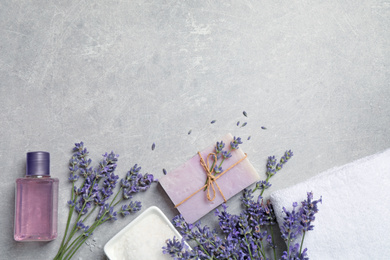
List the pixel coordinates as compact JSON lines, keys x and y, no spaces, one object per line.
{"x":353,"y":221}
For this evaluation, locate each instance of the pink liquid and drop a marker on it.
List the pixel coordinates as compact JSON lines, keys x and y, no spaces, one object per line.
{"x":36,"y":209}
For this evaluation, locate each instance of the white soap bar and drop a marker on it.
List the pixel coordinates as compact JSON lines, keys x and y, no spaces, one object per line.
{"x":143,"y":238}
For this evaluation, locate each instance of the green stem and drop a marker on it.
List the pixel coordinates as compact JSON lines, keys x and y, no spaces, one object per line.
{"x":118,"y":202}
{"x":74,"y":230}
{"x":73,"y":249}
{"x":204,"y":250}
{"x":67,"y":223}
{"x":249,"y":249}
{"x":273,"y":241}
{"x":63,"y":246}
{"x":231,"y":149}
{"x":93,"y":184}
{"x":75,"y":241}
{"x":76,"y":244}
{"x":66,"y":232}
{"x":262,"y":191}
{"x":116,"y":196}
{"x":300,"y":249}
{"x":288,"y":246}
{"x":260,"y":252}
{"x":89,"y":213}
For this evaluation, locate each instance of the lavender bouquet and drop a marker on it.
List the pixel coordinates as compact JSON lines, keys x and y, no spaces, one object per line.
{"x":94,"y":194}
{"x":249,"y":235}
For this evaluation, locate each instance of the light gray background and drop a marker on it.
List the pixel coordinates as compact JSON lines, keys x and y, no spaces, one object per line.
{"x":120,"y":75}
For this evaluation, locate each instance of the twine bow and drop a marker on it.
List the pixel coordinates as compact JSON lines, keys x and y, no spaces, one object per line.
{"x":211,"y":178}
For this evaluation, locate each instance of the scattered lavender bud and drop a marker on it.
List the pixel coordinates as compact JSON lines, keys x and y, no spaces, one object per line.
{"x":189,"y":132}
{"x":249,"y":138}
{"x":165,"y":172}
{"x":245,"y":114}
{"x":212,"y":122}
{"x":263,"y":127}
{"x":238,"y":123}
{"x":244,"y":124}
{"x":153,"y":146}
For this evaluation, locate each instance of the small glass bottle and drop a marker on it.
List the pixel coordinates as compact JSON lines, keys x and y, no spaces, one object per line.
{"x":36,"y":201}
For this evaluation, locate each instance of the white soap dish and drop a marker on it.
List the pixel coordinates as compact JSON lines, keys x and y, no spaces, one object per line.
{"x":143,"y":238}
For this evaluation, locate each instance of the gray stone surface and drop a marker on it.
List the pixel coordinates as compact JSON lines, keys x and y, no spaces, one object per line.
{"x":120,"y":75}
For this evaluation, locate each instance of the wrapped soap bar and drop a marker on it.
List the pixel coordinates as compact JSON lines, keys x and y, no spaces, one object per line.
{"x":196,"y":191}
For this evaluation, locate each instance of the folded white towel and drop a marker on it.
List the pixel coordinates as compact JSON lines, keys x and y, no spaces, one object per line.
{"x":353,"y":221}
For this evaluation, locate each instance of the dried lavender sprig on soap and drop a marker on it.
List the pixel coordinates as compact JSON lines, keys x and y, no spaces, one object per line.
{"x":222,"y":155}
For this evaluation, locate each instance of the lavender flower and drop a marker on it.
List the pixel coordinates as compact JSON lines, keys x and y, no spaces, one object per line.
{"x":111,"y":215}
{"x":287,"y":155}
{"x":111,"y":181}
{"x":185,"y":228}
{"x":263,"y":185}
{"x":271,"y":163}
{"x":291,"y":228}
{"x":227,"y":222}
{"x":177,"y":249}
{"x":73,"y":177}
{"x":80,"y":225}
{"x":297,"y":223}
{"x":236,"y":141}
{"x":131,"y":208}
{"x":218,"y":170}
{"x":135,"y":182}
{"x":219,"y":147}
{"x":226,"y":154}
{"x":272,"y":167}
{"x":270,"y":242}
{"x":95,"y":192}
{"x":308,"y":210}
{"x":294,"y":254}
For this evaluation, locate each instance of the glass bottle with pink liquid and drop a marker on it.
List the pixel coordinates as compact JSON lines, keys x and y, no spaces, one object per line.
{"x":36,"y":201}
